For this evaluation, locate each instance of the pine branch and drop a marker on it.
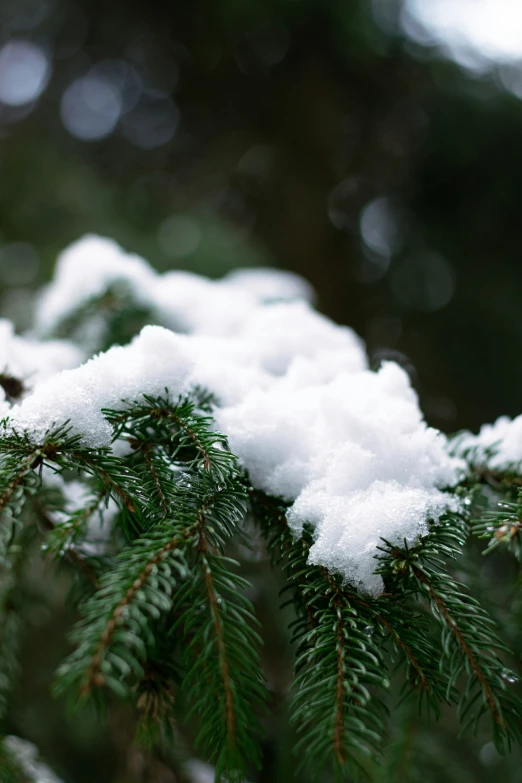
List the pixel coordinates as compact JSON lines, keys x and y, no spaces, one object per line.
{"x":10,"y":770}
{"x":116,"y":630}
{"x":11,"y":572}
{"x":69,"y":533}
{"x":339,"y":664}
{"x":502,"y":526}
{"x":62,"y":451}
{"x":184,"y":433}
{"x":66,"y":548}
{"x":222,"y":682}
{"x":469,"y":643}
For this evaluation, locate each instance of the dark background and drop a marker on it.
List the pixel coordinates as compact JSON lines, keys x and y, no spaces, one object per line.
{"x":265,"y":129}
{"x":312,"y":136}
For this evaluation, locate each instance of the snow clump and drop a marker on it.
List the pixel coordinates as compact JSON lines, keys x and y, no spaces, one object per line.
{"x":346,"y":447}
{"x":497,"y":445}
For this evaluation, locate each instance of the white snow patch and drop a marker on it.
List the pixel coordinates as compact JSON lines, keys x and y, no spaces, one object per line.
{"x":182,"y":301}
{"x":497,"y":445}
{"x":155,"y":360}
{"x":346,"y":447}
{"x":30,"y":362}
{"x":355,"y":457}
{"x":271,"y":284}
{"x":26,"y":754}
{"x":85,"y":270}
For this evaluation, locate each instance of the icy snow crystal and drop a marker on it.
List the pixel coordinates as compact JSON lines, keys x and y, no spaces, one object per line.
{"x":25,"y":363}
{"x":345,"y":446}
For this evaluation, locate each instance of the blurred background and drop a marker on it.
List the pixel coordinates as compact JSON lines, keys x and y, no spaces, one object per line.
{"x":373,"y":147}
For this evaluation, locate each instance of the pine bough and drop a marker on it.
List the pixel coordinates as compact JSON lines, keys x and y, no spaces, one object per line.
{"x":165,"y":619}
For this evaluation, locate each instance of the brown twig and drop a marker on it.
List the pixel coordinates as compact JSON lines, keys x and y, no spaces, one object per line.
{"x":340,"y":753}
{"x":93,"y":674}
{"x":109,"y":481}
{"x":468,"y":652}
{"x":148,"y":459}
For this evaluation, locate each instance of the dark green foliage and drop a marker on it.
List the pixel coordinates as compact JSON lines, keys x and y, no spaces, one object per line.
{"x":166,"y":624}
{"x":470,"y":648}
{"x":10,"y":771}
{"x":338,"y":662}
{"x":502,"y":526}
{"x":216,"y":622}
{"x":118,"y":311}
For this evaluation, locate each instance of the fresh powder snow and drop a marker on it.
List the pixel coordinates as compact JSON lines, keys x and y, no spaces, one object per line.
{"x":346,"y":447}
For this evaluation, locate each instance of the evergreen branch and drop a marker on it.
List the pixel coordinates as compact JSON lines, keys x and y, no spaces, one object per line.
{"x":149,"y":459}
{"x":14,"y":481}
{"x":60,"y":451}
{"x":397,"y":638}
{"x":93,"y":465}
{"x":218,"y":629}
{"x":223,"y":681}
{"x":337,"y":715}
{"x":74,"y":557}
{"x":452,"y":624}
{"x":11,"y":572}
{"x":339,"y":750}
{"x":139,"y":590}
{"x":68,"y":533}
{"x":184,"y":433}
{"x":93,"y":671}
{"x":468,"y":640}
{"x":502,"y":526}
{"x":113,"y":636}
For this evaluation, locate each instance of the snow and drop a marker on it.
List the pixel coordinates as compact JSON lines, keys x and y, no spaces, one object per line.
{"x":84,"y":271}
{"x":271,"y":284}
{"x":498,"y":445}
{"x":26,"y":754}
{"x":30,"y":362}
{"x":354,"y":456}
{"x":155,"y":360}
{"x":346,"y":447}
{"x":182,"y":301}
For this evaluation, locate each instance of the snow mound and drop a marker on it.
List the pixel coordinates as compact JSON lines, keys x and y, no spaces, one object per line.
{"x":182,"y":301}
{"x":346,"y":447}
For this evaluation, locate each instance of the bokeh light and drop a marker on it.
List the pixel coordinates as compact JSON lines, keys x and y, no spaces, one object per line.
{"x":424,"y":281}
{"x":91,"y":107}
{"x":24,"y":72}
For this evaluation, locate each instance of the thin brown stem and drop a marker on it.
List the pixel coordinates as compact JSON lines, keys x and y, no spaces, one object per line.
{"x":218,"y":629}
{"x":93,"y":674}
{"x":402,"y":644}
{"x":150,"y":462}
{"x":339,"y":750}
{"x":108,"y":480}
{"x":497,"y":479}
{"x":464,"y":646}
